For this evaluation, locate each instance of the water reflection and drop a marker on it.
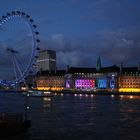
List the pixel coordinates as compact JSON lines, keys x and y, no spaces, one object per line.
{"x":75,"y":116}
{"x":47,"y":99}
{"x":84,"y":95}
{"x":112,"y":96}
{"x":131,"y":97}
{"x":75,"y":95}
{"x":47,"y":102}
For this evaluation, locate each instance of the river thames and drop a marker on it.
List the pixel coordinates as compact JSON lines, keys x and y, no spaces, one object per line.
{"x":68,"y":117}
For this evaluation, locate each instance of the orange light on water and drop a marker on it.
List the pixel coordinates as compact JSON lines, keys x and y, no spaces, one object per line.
{"x":131,"y":97}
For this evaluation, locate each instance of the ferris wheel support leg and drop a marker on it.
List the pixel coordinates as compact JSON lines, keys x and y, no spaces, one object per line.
{"x":18,"y":66}
{"x":14,"y":66}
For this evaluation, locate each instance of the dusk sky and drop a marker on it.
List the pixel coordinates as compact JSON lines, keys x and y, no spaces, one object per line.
{"x":81,"y":30}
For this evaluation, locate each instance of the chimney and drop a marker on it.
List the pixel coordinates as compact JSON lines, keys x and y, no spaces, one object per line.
{"x":68,"y":67}
{"x":50,"y":70}
{"x":121,"y":67}
{"x":55,"y":70}
{"x":139,"y":66}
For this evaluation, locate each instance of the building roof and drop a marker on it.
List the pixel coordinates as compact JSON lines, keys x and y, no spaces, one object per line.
{"x":130,"y":70}
{"x":93,"y":70}
{"x":52,"y":73}
{"x":90,"y":70}
{"x":81,"y":70}
{"x":48,"y":51}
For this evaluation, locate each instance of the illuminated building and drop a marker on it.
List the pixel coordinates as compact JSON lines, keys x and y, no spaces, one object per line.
{"x":129,"y":80}
{"x":93,"y":79}
{"x":50,"y":80}
{"x":112,"y":79}
{"x":46,"y":60}
{"x":84,"y":84}
{"x":102,"y":83}
{"x":78,"y":79}
{"x":89,"y":79}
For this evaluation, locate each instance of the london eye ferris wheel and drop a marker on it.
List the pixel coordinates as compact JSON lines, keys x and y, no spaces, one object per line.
{"x":19,"y":46}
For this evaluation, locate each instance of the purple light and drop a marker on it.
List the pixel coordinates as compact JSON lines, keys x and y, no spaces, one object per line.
{"x":84,"y":84}
{"x":68,"y":83}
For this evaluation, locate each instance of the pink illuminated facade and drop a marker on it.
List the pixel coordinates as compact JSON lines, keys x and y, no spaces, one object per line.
{"x":84,"y":83}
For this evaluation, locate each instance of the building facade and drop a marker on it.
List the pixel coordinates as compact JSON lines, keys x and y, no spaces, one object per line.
{"x":83,"y":79}
{"x":91,"y":79}
{"x":47,"y":80}
{"x":110,"y":79}
{"x":46,"y":60}
{"x":129,"y":80}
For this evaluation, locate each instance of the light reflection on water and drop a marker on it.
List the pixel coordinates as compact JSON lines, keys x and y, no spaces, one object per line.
{"x":85,"y":117}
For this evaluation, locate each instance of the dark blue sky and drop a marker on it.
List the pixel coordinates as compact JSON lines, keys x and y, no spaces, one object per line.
{"x":81,"y":30}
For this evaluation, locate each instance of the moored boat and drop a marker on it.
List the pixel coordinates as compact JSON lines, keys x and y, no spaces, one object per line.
{"x":39,"y":93}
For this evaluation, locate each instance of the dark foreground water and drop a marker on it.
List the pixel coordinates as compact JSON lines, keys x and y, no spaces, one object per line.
{"x":69,"y":117}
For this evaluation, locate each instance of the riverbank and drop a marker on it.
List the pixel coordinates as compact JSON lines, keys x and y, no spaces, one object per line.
{"x":80,"y":92}
{"x":98,"y":92}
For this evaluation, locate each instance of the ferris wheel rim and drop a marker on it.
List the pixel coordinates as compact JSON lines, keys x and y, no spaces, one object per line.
{"x":34,"y":45}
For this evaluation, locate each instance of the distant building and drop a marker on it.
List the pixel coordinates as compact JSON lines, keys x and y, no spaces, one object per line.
{"x":111,"y":78}
{"x":87,"y":79}
{"x":93,"y":80}
{"x":129,"y":79}
{"x":51,"y":80}
{"x":46,"y":60}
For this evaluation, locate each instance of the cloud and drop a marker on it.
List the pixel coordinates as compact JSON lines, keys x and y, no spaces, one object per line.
{"x":69,"y":52}
{"x":114,"y":47}
{"x":120,"y":46}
